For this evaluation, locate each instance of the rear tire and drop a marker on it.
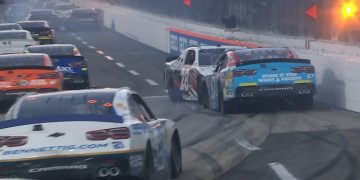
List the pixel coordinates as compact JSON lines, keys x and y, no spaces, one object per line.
{"x":175,"y":158}
{"x":205,"y":100}
{"x":226,"y":107}
{"x":149,"y":167}
{"x":304,"y":102}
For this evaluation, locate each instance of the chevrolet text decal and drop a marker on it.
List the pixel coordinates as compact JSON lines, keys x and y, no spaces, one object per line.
{"x":114,"y":145}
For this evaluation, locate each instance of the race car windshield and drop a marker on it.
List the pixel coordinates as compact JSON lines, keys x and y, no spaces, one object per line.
{"x":67,"y":104}
{"x":21,"y":61}
{"x":10,"y":27}
{"x":12,"y":35}
{"x":52,"y":51}
{"x":248,"y":55}
{"x":209,"y":56}
{"x":64,"y":7}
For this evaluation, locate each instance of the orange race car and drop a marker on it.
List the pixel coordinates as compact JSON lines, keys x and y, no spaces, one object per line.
{"x":22,"y":74}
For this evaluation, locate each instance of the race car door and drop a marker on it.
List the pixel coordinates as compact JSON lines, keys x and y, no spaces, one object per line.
{"x":157,"y":129}
{"x":187,"y":87}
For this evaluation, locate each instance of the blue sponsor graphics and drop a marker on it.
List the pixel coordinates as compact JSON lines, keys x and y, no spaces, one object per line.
{"x":61,"y":148}
{"x":70,"y":65}
{"x":139,"y":129}
{"x":179,"y":42}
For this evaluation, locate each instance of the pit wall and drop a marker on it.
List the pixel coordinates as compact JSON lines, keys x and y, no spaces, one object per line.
{"x":337,"y":65}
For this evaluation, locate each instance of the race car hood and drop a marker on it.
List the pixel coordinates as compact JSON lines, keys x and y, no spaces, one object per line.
{"x":206,"y":70}
{"x":60,"y":136}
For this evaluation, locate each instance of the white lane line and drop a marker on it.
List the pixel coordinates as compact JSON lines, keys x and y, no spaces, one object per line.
{"x":109,"y":58}
{"x":151,"y":82}
{"x":166,"y":91}
{"x":85,"y":43}
{"x":78,"y":38}
{"x":100,"y":52}
{"x":120,"y":65}
{"x":92,"y":47}
{"x":134,"y":73}
{"x":245,"y":144}
{"x":281,"y":171}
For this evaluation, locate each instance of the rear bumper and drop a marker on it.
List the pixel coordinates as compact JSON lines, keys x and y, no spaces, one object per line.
{"x":275,"y":90}
{"x":86,"y":167}
{"x":76,"y":82}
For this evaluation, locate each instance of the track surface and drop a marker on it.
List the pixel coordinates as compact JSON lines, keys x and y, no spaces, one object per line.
{"x":318,"y":144}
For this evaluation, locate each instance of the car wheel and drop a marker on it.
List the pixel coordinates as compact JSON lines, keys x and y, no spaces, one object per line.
{"x":304,"y":102}
{"x":149,"y":167}
{"x":175,"y":158}
{"x":226,"y":107}
{"x":173,"y":95}
{"x":205,"y":101}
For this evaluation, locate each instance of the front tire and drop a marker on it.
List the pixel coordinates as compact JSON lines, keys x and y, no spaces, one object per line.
{"x":226,"y":107}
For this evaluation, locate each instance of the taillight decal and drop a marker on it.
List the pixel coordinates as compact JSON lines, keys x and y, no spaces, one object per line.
{"x":303,"y":69}
{"x":13,"y":141}
{"x":53,"y":75}
{"x":113,"y":133}
{"x":246,"y":72}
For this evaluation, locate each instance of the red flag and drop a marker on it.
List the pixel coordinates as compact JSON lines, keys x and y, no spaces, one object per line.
{"x":312,"y":11}
{"x":187,"y":3}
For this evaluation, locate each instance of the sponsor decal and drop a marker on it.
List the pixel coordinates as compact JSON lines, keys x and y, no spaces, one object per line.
{"x":64,"y":69}
{"x":38,"y":82}
{"x":139,"y":129}
{"x":277,"y":89}
{"x":274,"y":78}
{"x":57,"y":168}
{"x":114,"y":145}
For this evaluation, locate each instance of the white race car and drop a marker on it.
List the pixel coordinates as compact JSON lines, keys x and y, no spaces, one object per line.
{"x":15,"y":41}
{"x":87,"y":134}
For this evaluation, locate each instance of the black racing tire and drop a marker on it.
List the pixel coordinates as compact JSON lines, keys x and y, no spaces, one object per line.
{"x":149,"y":166}
{"x":175,"y":157}
{"x":304,"y":102}
{"x":226,"y":107}
{"x":172,"y":94}
{"x":206,"y":101}
{"x":200,"y":87}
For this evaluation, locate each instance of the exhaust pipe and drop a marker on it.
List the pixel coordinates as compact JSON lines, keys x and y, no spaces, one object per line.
{"x":301,"y":91}
{"x":307,"y":91}
{"x":250,"y":94}
{"x":79,"y":81}
{"x":103,"y":172}
{"x":114,"y":171}
{"x":244,"y":94}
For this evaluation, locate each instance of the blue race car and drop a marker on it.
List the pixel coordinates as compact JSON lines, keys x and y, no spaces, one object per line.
{"x":68,"y":60}
{"x":245,"y":75}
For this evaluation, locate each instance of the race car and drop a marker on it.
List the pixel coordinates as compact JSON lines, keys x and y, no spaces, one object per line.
{"x":21,"y":74}
{"x":15,"y":41}
{"x":63,"y":10}
{"x":40,"y":31}
{"x":88,"y":134}
{"x":10,"y":26}
{"x":68,"y":60}
{"x":86,"y":19}
{"x":245,"y":75}
{"x":44,"y":15}
{"x":184,"y":74}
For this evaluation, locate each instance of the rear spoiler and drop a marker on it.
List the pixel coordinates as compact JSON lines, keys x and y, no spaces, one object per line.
{"x":38,"y":29}
{"x":28,"y":67}
{"x":68,"y":56}
{"x":60,"y":118}
{"x":263,"y":61}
